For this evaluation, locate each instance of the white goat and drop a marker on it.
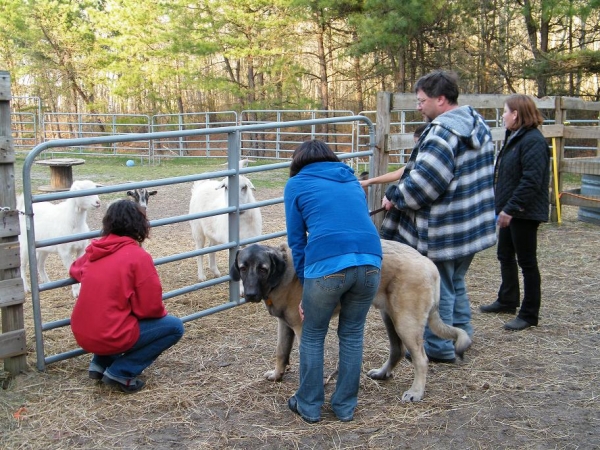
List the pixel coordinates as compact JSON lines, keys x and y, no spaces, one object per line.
{"x":209,"y":195}
{"x":141,"y":196}
{"x":54,"y":221}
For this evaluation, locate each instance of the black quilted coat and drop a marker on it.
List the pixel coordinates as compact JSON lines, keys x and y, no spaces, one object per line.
{"x":522,"y":175}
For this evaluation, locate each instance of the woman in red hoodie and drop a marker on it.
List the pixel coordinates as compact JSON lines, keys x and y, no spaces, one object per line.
{"x":119,"y":315}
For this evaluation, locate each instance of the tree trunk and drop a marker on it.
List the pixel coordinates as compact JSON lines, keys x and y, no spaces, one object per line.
{"x":323,"y":81}
{"x":537,"y":49}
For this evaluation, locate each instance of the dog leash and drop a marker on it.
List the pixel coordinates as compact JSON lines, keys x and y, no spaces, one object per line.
{"x":372,"y":213}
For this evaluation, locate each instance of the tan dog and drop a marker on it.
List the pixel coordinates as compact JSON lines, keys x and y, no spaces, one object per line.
{"x":408,"y":298}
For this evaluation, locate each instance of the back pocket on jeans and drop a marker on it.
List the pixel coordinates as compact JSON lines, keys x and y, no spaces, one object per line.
{"x":372,"y":277}
{"x":332,"y":282}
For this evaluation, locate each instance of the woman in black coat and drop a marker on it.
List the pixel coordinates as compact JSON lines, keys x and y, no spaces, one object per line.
{"x":522,"y":203}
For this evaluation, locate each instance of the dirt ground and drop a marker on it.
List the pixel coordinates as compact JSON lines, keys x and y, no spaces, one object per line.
{"x":536,"y":389}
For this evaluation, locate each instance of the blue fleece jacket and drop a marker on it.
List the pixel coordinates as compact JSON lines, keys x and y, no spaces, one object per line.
{"x":327,"y":215}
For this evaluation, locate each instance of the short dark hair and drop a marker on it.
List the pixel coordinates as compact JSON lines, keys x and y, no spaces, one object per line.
{"x":309,"y":152}
{"x":438,"y":83}
{"x":419,"y":130}
{"x":126,"y":218}
{"x":528,"y":116}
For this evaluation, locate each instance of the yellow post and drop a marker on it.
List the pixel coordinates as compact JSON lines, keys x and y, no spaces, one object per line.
{"x":555,"y":178}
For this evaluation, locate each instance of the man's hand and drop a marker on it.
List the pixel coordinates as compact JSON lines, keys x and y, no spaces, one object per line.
{"x":386,"y":204}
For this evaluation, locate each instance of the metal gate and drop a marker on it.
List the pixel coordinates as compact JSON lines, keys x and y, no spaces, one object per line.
{"x":233,"y":210}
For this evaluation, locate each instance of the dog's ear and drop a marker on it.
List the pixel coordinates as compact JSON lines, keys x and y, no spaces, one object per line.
{"x":235,"y":269}
{"x":278,"y":267}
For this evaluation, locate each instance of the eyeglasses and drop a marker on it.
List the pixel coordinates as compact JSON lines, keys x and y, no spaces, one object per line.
{"x":420,"y":101}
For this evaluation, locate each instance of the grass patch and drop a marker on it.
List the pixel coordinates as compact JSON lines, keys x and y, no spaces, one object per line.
{"x":110,"y":170}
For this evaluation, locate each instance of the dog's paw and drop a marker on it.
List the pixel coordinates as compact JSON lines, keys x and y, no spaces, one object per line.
{"x":273,"y":375}
{"x":410,"y":396}
{"x":379,"y":374}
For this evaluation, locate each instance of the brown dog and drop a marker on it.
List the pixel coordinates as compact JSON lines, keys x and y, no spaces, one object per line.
{"x":408,"y":298}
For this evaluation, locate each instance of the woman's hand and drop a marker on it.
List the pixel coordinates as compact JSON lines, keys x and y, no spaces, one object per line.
{"x":301,"y":311}
{"x":503,"y":220}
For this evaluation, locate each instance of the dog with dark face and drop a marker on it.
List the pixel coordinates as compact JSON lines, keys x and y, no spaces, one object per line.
{"x":408,"y":299}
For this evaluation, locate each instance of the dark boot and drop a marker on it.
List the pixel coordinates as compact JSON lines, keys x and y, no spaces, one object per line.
{"x":517,"y":324}
{"x":497,"y":307}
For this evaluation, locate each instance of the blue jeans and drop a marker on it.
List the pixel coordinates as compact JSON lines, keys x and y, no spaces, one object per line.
{"x":156,"y":335}
{"x":353,"y":289}
{"x":455,"y":309}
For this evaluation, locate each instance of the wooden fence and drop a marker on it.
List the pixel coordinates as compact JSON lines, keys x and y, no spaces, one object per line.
{"x":12,"y":295}
{"x":561,"y":107}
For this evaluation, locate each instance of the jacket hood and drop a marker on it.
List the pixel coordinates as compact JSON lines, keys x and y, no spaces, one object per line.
{"x":99,"y":248}
{"x":335,"y":171}
{"x":467,"y":124}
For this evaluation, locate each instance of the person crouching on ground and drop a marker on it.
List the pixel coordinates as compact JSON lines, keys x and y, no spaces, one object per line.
{"x":119,"y":315}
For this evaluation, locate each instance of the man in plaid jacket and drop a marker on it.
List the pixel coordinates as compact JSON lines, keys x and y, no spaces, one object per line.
{"x":443,"y":204}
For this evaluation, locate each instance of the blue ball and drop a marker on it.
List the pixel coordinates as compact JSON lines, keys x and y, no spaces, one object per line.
{"x":130,"y":163}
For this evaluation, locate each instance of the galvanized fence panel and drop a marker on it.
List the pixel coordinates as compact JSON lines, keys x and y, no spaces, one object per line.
{"x":24,"y":130}
{"x":233,"y":209}
{"x":209,"y":145}
{"x":31,"y":126}
{"x":402,"y":122}
{"x":83,"y":125}
{"x":280,"y":143}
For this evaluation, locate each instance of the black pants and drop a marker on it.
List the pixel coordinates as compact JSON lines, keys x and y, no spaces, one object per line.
{"x":517,"y":244}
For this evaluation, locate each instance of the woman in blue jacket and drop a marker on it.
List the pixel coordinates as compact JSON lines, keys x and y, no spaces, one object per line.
{"x":522,"y":176}
{"x":337,"y":256}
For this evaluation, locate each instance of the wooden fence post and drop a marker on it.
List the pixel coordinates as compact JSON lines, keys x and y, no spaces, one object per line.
{"x":380,"y":155}
{"x":12,"y":294}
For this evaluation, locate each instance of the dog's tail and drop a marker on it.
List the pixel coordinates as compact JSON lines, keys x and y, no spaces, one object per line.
{"x":461,"y":339}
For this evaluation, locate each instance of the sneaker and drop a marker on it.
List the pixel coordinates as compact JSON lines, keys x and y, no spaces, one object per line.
{"x":95,"y":375}
{"x":95,"y":371}
{"x":132,"y":386}
{"x":497,"y":307}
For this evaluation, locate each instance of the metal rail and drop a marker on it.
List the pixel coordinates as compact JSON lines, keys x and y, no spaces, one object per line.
{"x":233,"y":172}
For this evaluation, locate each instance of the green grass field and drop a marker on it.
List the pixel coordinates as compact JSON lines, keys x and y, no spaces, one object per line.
{"x":113,"y":170}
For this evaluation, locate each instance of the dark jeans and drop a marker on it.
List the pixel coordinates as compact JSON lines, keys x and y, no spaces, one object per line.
{"x":156,"y":336}
{"x":517,"y":244}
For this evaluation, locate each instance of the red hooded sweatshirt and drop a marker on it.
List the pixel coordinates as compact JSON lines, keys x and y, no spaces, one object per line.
{"x":119,"y":287}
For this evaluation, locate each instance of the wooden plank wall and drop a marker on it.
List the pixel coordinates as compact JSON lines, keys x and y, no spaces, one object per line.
{"x":12,"y":296}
